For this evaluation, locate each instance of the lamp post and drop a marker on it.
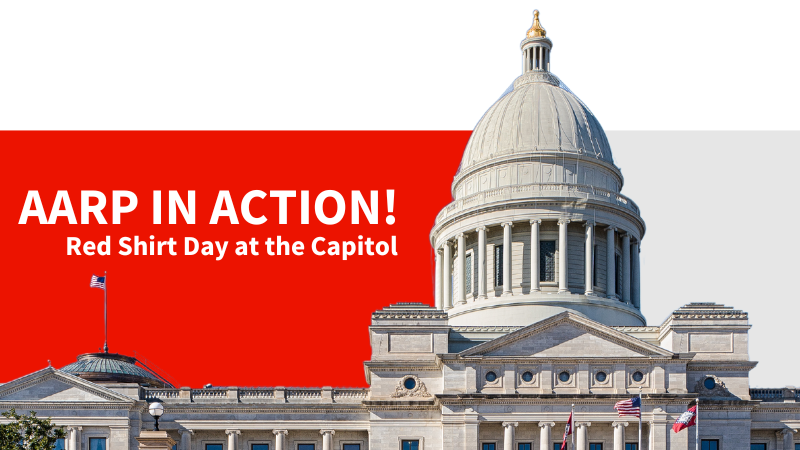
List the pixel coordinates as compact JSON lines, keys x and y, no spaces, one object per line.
{"x":156,"y":410}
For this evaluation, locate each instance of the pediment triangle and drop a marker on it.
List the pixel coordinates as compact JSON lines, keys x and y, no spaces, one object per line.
{"x":52,"y":385}
{"x":566,"y":335}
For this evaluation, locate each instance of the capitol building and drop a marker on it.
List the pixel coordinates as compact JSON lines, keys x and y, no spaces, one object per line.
{"x":537,"y":308}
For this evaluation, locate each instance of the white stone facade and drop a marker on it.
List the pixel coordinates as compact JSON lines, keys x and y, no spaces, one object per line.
{"x":504,"y":355}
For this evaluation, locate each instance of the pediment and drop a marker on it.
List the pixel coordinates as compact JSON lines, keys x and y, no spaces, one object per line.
{"x":567,"y":335}
{"x":52,"y":385}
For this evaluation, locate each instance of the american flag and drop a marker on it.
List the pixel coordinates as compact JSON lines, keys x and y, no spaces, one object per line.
{"x":629,"y":407}
{"x":98,"y":282}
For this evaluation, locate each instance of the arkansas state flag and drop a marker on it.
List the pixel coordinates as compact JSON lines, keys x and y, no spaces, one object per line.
{"x":686,"y":419}
{"x":567,"y":432}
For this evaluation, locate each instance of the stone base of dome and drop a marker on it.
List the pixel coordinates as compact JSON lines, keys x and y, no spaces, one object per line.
{"x":523,"y":310}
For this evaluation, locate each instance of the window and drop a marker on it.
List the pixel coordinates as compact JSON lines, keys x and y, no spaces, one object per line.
{"x":488,"y":446}
{"x":710,"y":384}
{"x":547,"y":261}
{"x":564,"y":376}
{"x":527,"y":446}
{"x":468,"y":274}
{"x":491,"y":376}
{"x":600,"y":376}
{"x":97,"y":443}
{"x":632,"y":446}
{"x":709,"y":444}
{"x":498,"y":265}
{"x":213,"y":446}
{"x":761,"y":446}
{"x":595,"y":446}
{"x":410,"y":445}
{"x":351,"y":447}
{"x":527,"y":376}
{"x":557,"y":445}
{"x":305,"y":446}
{"x":410,"y":383}
{"x":59,"y":444}
{"x":260,"y":447}
{"x":594,"y":264}
{"x":638,"y":376}
{"x":618,"y":273}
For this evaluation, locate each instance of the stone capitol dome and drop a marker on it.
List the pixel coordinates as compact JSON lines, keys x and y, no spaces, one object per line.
{"x":538,"y":225}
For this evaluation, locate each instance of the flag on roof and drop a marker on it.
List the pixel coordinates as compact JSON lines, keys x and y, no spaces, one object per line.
{"x":98,"y":282}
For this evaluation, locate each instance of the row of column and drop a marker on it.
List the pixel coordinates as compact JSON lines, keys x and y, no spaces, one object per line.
{"x":280,"y":439}
{"x":581,"y":435}
{"x":535,"y":58}
{"x":630,"y":288}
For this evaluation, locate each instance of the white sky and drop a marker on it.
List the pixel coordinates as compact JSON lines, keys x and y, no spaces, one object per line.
{"x":389,"y":65}
{"x":439,"y":65}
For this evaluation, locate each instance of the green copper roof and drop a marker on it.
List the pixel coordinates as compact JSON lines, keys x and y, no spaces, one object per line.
{"x":116,"y":366}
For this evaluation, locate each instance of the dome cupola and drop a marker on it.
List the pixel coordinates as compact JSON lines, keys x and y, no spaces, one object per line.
{"x":538,"y":224}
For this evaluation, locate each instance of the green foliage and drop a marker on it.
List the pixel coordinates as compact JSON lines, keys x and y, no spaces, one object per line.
{"x":28,"y":432}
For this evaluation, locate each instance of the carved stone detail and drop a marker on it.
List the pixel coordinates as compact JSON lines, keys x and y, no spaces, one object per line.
{"x":419,"y":389}
{"x":720,"y":390}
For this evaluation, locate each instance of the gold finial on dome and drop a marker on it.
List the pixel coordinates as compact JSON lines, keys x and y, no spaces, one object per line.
{"x":536,"y":29}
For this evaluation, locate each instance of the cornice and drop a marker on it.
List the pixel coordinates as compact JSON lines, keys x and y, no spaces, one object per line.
{"x":4,"y":405}
{"x":300,"y":408}
{"x":721,"y":366}
{"x":49,"y":373}
{"x":410,"y":314}
{"x":603,"y":331}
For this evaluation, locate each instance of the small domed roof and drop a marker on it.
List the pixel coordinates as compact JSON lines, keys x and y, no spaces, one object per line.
{"x":539,"y":115}
{"x":112,"y":367}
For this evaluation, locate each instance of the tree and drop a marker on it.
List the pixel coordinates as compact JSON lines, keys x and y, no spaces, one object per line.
{"x":28,"y":432}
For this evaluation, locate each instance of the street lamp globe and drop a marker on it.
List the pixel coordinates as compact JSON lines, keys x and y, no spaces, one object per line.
{"x":156,"y":410}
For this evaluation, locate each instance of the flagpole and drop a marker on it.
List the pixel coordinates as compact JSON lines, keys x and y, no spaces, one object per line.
{"x":697,"y":425}
{"x":572,"y":426}
{"x":105,"y":310}
{"x":641,"y":407}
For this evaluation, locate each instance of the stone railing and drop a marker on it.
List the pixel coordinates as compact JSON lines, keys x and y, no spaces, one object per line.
{"x":162,"y":394}
{"x":525,"y":191}
{"x":786,"y":394}
{"x":209,"y":394}
{"x":256,"y":395}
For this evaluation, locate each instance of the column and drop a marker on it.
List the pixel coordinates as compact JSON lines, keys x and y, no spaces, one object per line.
{"x":619,"y":435}
{"x":280,"y":439}
{"x":481,"y":262}
{"x":447,"y":283}
{"x":72,"y":438}
{"x":562,"y":255}
{"x":507,"y":259}
{"x":233,"y":439}
{"x":611,"y":266}
{"x":461,"y":270}
{"x":437,"y":277}
{"x":636,"y":275}
{"x":535,"y":255}
{"x":327,"y":439}
{"x":626,"y":268}
{"x":582,"y":435}
{"x":544,"y":435}
{"x":508,"y":436}
{"x":788,"y":438}
{"x":186,"y":439}
{"x":588,"y":269}
{"x":78,"y":443}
